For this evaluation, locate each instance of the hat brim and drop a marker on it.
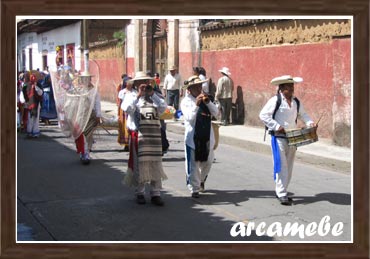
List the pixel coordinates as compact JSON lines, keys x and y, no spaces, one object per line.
{"x":292,"y":80}
{"x":197,"y":83}
{"x":140,"y":78}
{"x":224,"y":72}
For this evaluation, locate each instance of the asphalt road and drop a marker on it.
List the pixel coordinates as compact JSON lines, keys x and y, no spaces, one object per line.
{"x":59,"y":199}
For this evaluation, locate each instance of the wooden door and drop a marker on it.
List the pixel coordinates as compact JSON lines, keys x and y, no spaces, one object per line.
{"x":160,"y":48}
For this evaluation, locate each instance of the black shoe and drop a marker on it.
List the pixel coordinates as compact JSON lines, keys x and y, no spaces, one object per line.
{"x":289,"y":199}
{"x":157,"y":200}
{"x":284,"y":200}
{"x":140,"y":199}
{"x":202,"y":189}
{"x":195,"y":195}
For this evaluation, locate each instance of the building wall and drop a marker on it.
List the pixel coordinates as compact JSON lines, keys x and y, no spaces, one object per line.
{"x":47,"y":41}
{"x":319,"y":51}
{"x":130,"y":49}
{"x":111,"y":62}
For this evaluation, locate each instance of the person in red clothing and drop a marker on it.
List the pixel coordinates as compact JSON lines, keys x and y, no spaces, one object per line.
{"x":157,"y":79}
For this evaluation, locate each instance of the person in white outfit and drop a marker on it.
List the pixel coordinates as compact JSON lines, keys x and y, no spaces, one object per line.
{"x":278,"y":121}
{"x":198,"y":109}
{"x":143,"y":107}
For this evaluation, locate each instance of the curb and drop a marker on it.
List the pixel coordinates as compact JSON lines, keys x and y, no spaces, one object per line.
{"x":317,"y":161}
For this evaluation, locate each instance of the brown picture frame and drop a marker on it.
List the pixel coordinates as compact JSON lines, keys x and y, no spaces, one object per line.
{"x":358,"y":249}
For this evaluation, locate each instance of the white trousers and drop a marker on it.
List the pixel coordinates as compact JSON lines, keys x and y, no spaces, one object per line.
{"x":196,"y":171}
{"x":33,"y":124}
{"x":155,"y":188}
{"x":287,"y":155}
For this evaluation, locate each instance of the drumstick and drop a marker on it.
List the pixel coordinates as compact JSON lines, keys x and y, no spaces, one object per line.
{"x":105,"y":129}
{"x":322,"y":114}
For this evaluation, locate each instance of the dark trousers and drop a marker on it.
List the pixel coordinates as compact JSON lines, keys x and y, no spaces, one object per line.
{"x":225,"y":110}
{"x":173,"y":97}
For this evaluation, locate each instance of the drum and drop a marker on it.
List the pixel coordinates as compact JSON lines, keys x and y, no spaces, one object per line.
{"x":301,"y":137}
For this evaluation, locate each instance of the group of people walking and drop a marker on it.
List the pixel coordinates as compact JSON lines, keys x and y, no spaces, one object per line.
{"x":35,"y":101}
{"x":142,"y":132}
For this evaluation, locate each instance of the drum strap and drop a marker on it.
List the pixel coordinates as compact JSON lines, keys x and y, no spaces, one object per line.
{"x":277,"y":106}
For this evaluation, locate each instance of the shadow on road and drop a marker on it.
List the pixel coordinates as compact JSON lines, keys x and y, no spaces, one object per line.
{"x":66,"y":201}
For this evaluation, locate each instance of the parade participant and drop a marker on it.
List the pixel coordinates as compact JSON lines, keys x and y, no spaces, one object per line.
{"x":198,"y":108}
{"x":48,"y":109}
{"x":85,"y":140}
{"x":33,"y":96}
{"x":122,"y":138}
{"x":143,"y":106}
{"x":78,"y":106}
{"x":155,"y":83}
{"x":224,"y":94}
{"x":201,"y":73}
{"x":157,"y":79}
{"x":172,"y":88}
{"x":278,"y":121}
{"x":20,"y":101}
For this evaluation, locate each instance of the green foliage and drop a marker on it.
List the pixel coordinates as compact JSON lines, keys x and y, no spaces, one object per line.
{"x":120,"y":36}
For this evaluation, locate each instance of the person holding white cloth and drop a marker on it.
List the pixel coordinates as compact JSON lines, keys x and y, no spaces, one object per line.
{"x":278,"y":121}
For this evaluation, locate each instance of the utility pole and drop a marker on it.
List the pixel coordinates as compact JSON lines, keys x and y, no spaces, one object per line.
{"x":85,"y":44}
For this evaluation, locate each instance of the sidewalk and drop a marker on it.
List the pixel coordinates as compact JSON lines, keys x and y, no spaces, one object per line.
{"x":322,"y":153}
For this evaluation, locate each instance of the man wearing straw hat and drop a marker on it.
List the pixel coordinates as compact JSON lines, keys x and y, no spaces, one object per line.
{"x":143,"y":107}
{"x":278,"y":120}
{"x":224,"y":94}
{"x":172,"y":88}
{"x":198,"y":109}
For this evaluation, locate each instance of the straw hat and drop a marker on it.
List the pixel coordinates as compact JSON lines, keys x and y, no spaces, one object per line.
{"x":193,"y":80}
{"x":140,"y":75}
{"x":225,"y":71}
{"x":286,"y":79}
{"x":171,"y":68}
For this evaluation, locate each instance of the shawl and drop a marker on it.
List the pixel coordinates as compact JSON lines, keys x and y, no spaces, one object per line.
{"x":202,"y":132}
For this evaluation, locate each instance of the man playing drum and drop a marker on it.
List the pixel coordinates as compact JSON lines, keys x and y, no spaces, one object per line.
{"x":278,"y":122}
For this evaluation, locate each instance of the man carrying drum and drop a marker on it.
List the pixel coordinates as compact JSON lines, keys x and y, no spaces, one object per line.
{"x":278,"y":121}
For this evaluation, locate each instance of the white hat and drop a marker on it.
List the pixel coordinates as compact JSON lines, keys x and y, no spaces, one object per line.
{"x":225,"y":71}
{"x":172,"y":68}
{"x":85,"y":74}
{"x":140,"y":75}
{"x":286,"y":79}
{"x":193,"y":80}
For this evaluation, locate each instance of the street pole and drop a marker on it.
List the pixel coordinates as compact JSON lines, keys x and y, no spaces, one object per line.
{"x":85,"y":45}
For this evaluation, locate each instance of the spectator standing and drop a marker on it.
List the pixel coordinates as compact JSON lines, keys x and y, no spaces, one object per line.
{"x":224,"y":94}
{"x":172,"y":88}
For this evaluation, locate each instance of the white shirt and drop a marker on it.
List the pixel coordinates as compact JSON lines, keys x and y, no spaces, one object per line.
{"x":189,"y":110}
{"x":131,"y":103}
{"x":225,"y":88}
{"x":285,"y":115}
{"x":205,"y":85}
{"x":172,"y":82}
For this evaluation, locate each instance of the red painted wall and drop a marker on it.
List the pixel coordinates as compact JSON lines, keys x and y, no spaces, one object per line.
{"x":111,"y":71}
{"x":325,"y":67}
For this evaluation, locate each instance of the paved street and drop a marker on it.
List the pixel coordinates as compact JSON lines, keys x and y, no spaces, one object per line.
{"x":61,"y":200}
